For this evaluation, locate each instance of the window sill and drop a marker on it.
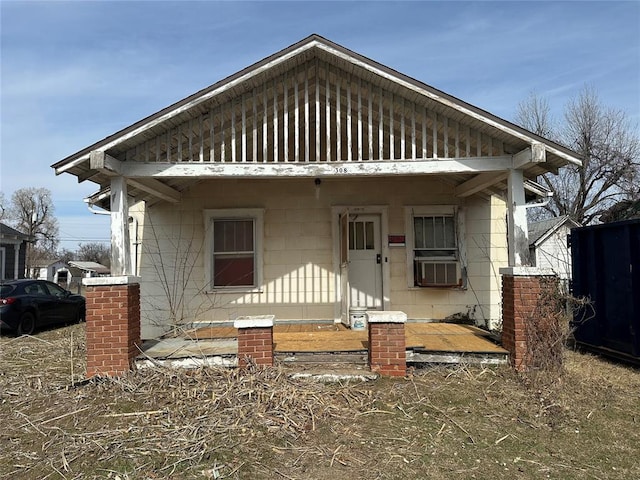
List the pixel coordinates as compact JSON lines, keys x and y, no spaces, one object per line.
{"x":452,"y":287}
{"x":234,"y":290}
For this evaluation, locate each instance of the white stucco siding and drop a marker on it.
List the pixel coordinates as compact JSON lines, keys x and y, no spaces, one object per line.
{"x":299,"y":269}
{"x":487,"y":252}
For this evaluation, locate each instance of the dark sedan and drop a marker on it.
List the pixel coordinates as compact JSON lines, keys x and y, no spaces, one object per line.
{"x":26,"y":305}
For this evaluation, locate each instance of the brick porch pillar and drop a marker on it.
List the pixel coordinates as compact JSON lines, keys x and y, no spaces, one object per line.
{"x":113,"y":324}
{"x":522,"y":289}
{"x":387,"y":344}
{"x":255,"y":339}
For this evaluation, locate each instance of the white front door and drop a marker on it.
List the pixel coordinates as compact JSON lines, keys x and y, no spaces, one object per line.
{"x":365,"y":262}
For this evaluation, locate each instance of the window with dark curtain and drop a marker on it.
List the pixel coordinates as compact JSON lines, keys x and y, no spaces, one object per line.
{"x":233,"y":253}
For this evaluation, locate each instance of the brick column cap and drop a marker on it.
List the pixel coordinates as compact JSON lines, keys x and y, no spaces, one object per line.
{"x":254,"y":321}
{"x":105,"y":281}
{"x":527,"y":272}
{"x":388,"y":316}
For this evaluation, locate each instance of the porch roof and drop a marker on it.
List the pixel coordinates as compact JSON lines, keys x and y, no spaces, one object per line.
{"x":8,"y":233}
{"x":304,"y":111}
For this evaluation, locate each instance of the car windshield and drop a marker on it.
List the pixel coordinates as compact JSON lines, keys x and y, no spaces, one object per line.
{"x":56,"y":290}
{"x":6,"y":290}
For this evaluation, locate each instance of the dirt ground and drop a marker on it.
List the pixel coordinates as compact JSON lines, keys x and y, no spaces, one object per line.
{"x":459,"y":422}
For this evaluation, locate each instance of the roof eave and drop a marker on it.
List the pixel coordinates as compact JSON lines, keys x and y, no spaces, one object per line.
{"x":186,"y":103}
{"x":561,"y":221}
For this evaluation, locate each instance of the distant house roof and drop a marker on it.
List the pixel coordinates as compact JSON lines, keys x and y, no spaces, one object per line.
{"x":91,"y":267}
{"x":624,"y":210}
{"x":47,"y":262}
{"x":540,"y":231}
{"x":7,"y":232}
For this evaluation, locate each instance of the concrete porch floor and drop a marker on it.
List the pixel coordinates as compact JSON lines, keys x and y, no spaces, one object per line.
{"x":425,"y":343}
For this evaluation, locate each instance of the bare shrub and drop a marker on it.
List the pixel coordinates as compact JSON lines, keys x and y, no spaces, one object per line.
{"x":548,"y":330}
{"x":174,"y":252}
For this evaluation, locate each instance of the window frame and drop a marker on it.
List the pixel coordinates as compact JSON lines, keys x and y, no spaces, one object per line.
{"x":254,"y":214}
{"x":460,"y":249}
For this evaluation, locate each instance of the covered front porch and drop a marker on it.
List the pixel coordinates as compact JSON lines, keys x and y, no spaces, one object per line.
{"x":311,"y":183}
{"x":327,"y":343}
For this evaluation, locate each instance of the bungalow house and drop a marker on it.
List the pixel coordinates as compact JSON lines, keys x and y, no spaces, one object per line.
{"x":312,"y":185}
{"x":13,"y":250}
{"x":548,"y":245}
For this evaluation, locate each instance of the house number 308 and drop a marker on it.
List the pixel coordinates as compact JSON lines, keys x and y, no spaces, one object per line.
{"x":340,"y":170}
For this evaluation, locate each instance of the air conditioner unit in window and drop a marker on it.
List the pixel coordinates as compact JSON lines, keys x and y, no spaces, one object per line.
{"x":437,"y":273}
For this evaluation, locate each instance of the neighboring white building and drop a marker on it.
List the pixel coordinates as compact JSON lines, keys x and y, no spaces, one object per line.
{"x":48,"y":269}
{"x":548,"y":245}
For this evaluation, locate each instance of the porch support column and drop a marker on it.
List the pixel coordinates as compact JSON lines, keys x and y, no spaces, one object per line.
{"x":526,"y":305}
{"x":255,"y":340}
{"x":120,"y":245}
{"x":113,"y":324}
{"x":517,"y":234}
{"x":387,"y":344}
{"x":16,"y":261}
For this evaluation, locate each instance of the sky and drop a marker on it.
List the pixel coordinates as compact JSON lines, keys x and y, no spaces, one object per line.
{"x":75,"y":72}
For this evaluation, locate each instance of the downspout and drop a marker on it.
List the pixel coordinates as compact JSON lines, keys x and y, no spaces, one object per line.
{"x":136,"y":243}
{"x":92,"y":209}
{"x":542,"y":203}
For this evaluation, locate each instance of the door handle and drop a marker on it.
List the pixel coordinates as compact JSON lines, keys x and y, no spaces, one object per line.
{"x":378,"y":258}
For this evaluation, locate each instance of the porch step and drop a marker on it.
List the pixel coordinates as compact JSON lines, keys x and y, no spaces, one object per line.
{"x":422,"y":358}
{"x":359,"y":358}
{"x":327,"y":366}
{"x":335,"y":376}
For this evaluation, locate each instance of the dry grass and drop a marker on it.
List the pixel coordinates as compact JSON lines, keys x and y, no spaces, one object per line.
{"x":463,"y":423}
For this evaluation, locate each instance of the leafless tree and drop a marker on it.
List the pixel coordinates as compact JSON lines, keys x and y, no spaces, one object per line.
{"x":94,"y":252}
{"x":534,"y":114}
{"x":32,"y":213}
{"x":3,"y":206}
{"x":610,"y":150}
{"x":66,"y":255}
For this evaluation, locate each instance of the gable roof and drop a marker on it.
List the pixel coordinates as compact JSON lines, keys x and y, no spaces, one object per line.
{"x":47,"y":262}
{"x":543,"y":229}
{"x":90,"y":267}
{"x":312,"y":48}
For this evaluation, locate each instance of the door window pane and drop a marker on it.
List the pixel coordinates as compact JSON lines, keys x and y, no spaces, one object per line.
{"x":361,"y":235}
{"x":369,"y":239}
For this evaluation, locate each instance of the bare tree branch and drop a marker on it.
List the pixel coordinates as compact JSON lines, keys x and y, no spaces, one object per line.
{"x":608,"y":144}
{"x":32,"y":213}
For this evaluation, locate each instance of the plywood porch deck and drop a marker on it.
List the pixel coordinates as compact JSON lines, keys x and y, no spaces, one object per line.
{"x":325,"y":337}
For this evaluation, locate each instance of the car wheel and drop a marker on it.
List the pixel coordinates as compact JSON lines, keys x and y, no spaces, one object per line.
{"x":27,"y":324}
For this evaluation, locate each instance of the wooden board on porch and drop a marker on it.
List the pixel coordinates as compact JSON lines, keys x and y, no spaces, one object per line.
{"x":228,"y":331}
{"x":449,"y":337}
{"x":321,"y":341}
{"x":223,"y":331}
{"x":328,"y":337}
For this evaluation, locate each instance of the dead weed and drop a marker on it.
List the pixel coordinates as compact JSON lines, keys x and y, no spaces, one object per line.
{"x":463,"y":422}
